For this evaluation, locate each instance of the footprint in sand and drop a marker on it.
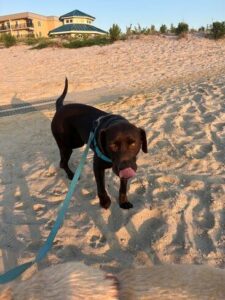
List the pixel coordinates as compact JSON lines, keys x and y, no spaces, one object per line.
{"x":139,"y":186}
{"x":199,"y":151}
{"x":204,"y":219}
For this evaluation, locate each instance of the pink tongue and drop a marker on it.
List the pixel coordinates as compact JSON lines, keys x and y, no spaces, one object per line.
{"x":127,"y":173}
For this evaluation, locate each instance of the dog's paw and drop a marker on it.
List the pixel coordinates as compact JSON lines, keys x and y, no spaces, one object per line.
{"x":126,"y":205}
{"x":70,"y":177}
{"x":105,"y":201}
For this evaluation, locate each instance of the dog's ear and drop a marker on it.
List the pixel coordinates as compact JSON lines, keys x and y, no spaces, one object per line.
{"x":144,"y":146}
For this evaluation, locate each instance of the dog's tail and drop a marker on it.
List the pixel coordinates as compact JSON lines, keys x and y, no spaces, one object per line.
{"x":59,"y":101}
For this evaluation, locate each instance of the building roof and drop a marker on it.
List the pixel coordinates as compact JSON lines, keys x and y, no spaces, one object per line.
{"x":76,"y":27}
{"x":76,"y":13}
{"x":22,"y":15}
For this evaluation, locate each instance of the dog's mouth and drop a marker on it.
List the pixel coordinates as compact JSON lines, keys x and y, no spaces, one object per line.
{"x":125,"y":170}
{"x":127,"y":173}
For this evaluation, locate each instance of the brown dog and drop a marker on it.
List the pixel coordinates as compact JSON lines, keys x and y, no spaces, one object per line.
{"x":73,"y":281}
{"x":116,"y":143}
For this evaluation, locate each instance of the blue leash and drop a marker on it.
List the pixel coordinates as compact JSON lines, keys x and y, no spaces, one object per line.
{"x":15,"y":272}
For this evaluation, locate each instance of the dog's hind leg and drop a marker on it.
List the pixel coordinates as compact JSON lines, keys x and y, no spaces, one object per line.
{"x":65,"y":154}
{"x":66,"y":145}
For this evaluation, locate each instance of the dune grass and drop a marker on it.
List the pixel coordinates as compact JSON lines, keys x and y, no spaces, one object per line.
{"x":100,"y":41}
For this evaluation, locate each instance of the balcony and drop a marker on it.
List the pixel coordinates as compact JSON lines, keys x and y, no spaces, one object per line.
{"x":22,"y":26}
{"x":28,"y":26}
{"x":4,"y":28}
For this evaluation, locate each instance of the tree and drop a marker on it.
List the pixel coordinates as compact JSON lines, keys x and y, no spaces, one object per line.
{"x":152,"y":28}
{"x":115,"y":32}
{"x":182,"y":28}
{"x":172,"y":29}
{"x":201,"y":29}
{"x":163,"y":29}
{"x":218,"y":29}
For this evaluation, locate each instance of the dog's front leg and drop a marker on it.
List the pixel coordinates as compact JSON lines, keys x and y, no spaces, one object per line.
{"x":99,"y":172}
{"x":123,"y":201}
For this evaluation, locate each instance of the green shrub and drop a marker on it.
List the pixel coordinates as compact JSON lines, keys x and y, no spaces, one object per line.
{"x":201,"y":29}
{"x":114,"y":33}
{"x":217,"y":30}
{"x":8,"y":40}
{"x":136,"y":31}
{"x":99,"y":41}
{"x":172,"y":29}
{"x":182,"y":35}
{"x":46,"y":42}
{"x":30,"y":41}
{"x":129,"y":31}
{"x":182,"y":28}
{"x":163,"y":29}
{"x":152,"y":29}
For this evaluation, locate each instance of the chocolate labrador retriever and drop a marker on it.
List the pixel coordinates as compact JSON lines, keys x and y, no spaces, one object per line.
{"x":116,"y":143}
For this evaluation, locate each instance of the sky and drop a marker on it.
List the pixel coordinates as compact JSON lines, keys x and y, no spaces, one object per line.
{"x":196,"y":13}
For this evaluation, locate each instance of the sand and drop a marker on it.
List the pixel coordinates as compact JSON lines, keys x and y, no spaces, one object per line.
{"x":173,"y":89}
{"x":102,"y":73}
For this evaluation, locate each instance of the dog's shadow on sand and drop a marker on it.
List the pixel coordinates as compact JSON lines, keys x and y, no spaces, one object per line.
{"x":20,"y":224}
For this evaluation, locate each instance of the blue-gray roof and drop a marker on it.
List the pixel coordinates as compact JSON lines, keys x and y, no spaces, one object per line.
{"x":75,"y":13}
{"x":76,"y":27}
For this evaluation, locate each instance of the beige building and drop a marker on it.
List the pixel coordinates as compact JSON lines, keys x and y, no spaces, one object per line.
{"x":28,"y":24}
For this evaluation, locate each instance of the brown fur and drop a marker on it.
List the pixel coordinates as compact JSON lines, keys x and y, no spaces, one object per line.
{"x":75,"y":281}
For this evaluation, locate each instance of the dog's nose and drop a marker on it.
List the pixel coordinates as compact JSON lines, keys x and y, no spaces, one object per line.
{"x":127,"y":164}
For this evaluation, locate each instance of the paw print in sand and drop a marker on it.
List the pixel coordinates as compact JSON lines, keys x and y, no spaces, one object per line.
{"x":97,"y":241}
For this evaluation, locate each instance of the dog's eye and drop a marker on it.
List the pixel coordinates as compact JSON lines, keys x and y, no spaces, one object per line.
{"x":114,"y":147}
{"x":131,"y":143}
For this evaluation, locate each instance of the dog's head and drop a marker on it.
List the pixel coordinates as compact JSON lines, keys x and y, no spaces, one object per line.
{"x":121,"y":142}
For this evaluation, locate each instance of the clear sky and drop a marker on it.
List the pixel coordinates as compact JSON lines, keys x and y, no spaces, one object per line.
{"x":123,"y":12}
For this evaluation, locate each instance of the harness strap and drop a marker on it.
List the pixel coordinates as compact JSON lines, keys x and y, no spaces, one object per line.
{"x":99,"y":153}
{"x":15,"y":272}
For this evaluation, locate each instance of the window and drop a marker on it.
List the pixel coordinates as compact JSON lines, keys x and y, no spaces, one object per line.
{"x":67,"y":21}
{"x":39,"y":23}
{"x":30,"y":23}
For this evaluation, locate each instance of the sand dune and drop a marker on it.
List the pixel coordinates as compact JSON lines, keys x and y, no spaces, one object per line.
{"x":98,"y":73}
{"x":179,"y":191}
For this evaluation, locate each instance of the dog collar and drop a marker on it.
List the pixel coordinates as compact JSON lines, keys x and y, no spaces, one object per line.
{"x":99,"y":153}
{"x":108,"y":119}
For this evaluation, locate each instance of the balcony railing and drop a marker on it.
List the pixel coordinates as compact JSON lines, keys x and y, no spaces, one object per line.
{"x":22,"y":26}
{"x":4,"y":28}
{"x":17,"y":27}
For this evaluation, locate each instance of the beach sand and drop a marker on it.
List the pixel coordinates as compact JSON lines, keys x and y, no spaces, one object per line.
{"x":175,"y":90}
